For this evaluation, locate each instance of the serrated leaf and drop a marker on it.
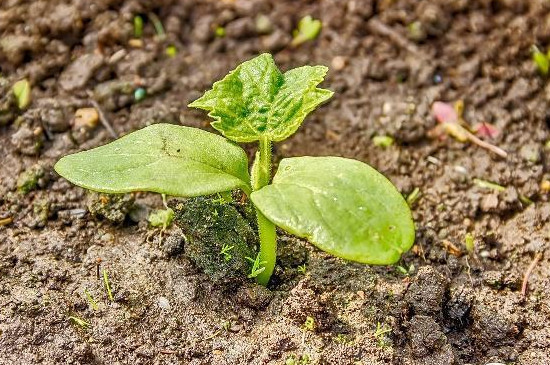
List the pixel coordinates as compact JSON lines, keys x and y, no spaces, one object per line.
{"x":163,"y":158}
{"x":257,"y":101}
{"x":343,"y":206}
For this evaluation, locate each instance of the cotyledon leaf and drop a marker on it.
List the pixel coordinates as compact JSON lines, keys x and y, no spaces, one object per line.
{"x":257,"y":101}
{"x":343,"y":206}
{"x":163,"y":158}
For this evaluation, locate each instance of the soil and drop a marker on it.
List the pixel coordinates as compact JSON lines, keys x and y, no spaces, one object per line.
{"x":389,"y":61}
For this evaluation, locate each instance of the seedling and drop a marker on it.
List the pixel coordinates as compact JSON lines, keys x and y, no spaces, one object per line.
{"x":93,"y":303}
{"x":80,"y":322}
{"x":525,"y":200}
{"x":22,"y":92}
{"x":380,"y":333}
{"x":541,"y":60}
{"x":413,"y":196}
{"x":138,"y":26}
{"x":309,"y":324}
{"x":302,"y":269}
{"x":226,"y":252}
{"x":382,"y":141}
{"x":469,"y":243}
{"x":342,"y":206}
{"x":404,"y":270}
{"x":342,"y":339}
{"x":294,"y":360}
{"x":308,"y":29}
{"x":107,"y":285}
{"x":226,"y":325}
{"x":257,"y":266}
{"x":157,"y":24}
{"x":489,"y":185}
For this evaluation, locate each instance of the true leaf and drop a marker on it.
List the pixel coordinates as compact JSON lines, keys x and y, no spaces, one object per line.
{"x":163,"y":158}
{"x":257,"y":101}
{"x":343,"y":206}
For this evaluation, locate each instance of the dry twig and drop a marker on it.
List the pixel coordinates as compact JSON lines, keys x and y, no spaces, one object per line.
{"x":536,"y":259}
{"x":102,"y":117}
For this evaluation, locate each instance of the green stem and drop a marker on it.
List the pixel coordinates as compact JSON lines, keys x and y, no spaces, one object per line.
{"x":268,"y":247}
{"x":261,"y":174}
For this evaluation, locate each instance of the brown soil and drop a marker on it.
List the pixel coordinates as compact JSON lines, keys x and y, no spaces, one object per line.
{"x":449,"y":308}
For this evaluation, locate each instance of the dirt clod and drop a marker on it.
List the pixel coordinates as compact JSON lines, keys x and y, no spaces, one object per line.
{"x":218,"y":237}
{"x":32,"y":178}
{"x":428,"y":344}
{"x":80,"y":71}
{"x":426,"y":292}
{"x":254,"y":296}
{"x":113,"y":207}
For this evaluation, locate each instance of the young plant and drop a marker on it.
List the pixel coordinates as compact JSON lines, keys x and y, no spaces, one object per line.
{"x":541,"y":60}
{"x":226,"y":251}
{"x":342,"y":206}
{"x":22,"y":92}
{"x":308,"y":30}
{"x":258,"y":266}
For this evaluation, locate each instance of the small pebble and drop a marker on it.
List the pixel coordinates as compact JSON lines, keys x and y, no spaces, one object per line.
{"x":139,"y":94}
{"x":117,"y":56}
{"x":263,"y":24}
{"x":78,"y":212}
{"x":461,"y":169}
{"x":163,"y":303}
{"x":530,"y":152}
{"x":135,"y":43}
{"x":485,"y":254}
{"x":338,"y":63}
{"x":107,"y":237}
{"x":86,"y":119}
{"x":236,"y":327}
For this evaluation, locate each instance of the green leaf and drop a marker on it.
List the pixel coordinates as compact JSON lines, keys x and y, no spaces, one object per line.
{"x":257,"y":101}
{"x":382,"y":141}
{"x":342,"y":206}
{"x":138,"y":26}
{"x":308,"y":29}
{"x":542,"y":61}
{"x":22,"y":91}
{"x":163,"y":158}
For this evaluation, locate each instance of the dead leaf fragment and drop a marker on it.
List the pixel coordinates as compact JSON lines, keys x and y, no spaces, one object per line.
{"x":451,"y":248}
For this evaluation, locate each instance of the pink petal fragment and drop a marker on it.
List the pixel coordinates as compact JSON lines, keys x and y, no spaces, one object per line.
{"x":444,"y":113}
{"x":486,"y":130}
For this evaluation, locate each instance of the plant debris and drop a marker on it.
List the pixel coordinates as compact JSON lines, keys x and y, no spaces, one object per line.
{"x":451,"y":123}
